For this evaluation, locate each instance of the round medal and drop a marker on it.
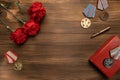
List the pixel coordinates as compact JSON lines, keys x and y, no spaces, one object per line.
{"x":104,"y":16}
{"x":108,"y":62}
{"x":85,"y":23}
{"x":18,"y":66}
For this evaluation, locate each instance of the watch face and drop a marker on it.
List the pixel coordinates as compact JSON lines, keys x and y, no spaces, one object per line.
{"x":104,"y":16}
{"x":108,"y":62}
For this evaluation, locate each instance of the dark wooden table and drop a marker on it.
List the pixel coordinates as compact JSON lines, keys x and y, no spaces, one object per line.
{"x":62,"y":48}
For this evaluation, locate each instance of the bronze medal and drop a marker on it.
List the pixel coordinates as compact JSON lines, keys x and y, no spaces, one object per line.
{"x":104,"y":16}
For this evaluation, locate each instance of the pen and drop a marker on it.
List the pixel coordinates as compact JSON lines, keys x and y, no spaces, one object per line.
{"x":100,"y":32}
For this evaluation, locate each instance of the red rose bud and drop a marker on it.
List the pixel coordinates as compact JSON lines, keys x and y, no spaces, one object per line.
{"x":31,"y":28}
{"x":18,"y":36}
{"x":36,"y":11}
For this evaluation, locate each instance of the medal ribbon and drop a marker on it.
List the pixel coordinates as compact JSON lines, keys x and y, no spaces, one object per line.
{"x":102,"y":4}
{"x":115,"y":53}
{"x":89,"y":11}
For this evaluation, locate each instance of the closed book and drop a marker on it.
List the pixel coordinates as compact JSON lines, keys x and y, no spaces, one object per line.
{"x":103,"y":53}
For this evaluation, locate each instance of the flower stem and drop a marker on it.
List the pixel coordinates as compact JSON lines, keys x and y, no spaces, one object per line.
{"x":6,"y":26}
{"x":18,"y":5}
{"x":20,"y":20}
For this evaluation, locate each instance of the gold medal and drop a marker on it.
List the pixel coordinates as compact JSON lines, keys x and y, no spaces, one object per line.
{"x":18,"y":66}
{"x":85,"y":23}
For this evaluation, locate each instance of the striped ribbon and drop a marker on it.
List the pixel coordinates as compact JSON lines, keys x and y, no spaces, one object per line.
{"x":11,"y":57}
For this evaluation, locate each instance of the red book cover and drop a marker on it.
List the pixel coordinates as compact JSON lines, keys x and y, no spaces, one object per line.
{"x":103,"y":53}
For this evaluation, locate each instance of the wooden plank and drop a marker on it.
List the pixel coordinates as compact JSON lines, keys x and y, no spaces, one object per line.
{"x":62,"y":48}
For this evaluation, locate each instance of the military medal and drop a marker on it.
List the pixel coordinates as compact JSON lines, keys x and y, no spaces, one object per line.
{"x":18,"y":66}
{"x":114,"y":55}
{"x":85,"y":23}
{"x":12,"y":58}
{"x":103,"y":5}
{"x":108,"y":62}
{"x":104,"y":16}
{"x":89,"y":12}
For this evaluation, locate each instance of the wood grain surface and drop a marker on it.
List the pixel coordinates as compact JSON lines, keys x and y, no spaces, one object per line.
{"x":62,"y":48}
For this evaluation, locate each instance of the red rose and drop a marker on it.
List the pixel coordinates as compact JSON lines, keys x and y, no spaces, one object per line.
{"x":31,"y":28}
{"x":19,"y":37}
{"x":36,"y":11}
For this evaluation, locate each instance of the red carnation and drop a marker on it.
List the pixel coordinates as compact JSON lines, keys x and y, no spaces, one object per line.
{"x":31,"y":28}
{"x":19,"y":37}
{"x":36,"y":11}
